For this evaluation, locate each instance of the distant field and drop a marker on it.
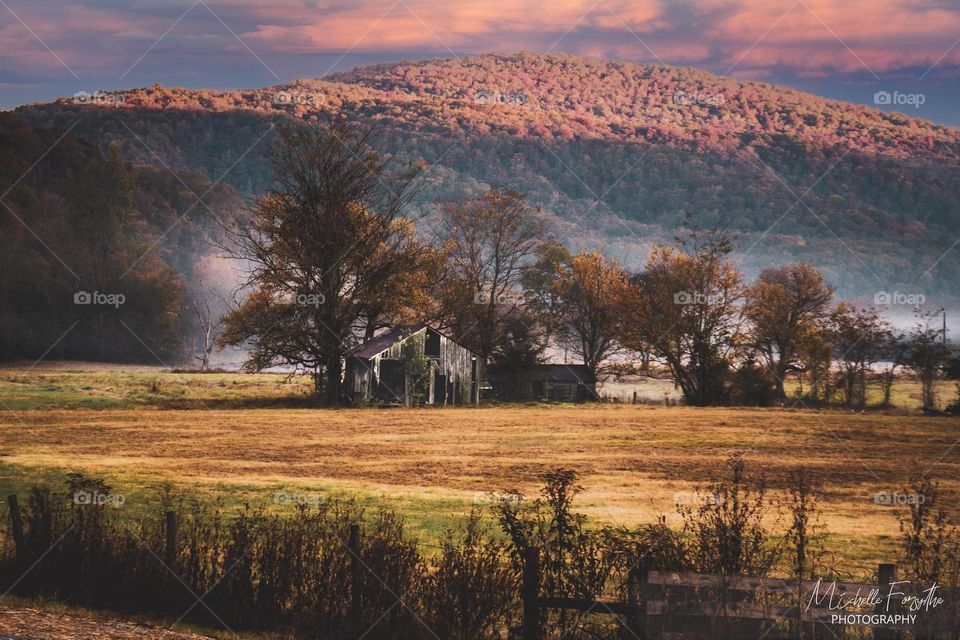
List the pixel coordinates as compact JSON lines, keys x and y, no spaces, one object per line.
{"x":434,"y":465}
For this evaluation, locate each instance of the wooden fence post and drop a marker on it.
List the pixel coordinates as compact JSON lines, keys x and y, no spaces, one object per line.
{"x":353,"y":544}
{"x":170,"y":550}
{"x":16,"y":524}
{"x":531,"y":594}
{"x":637,"y":581}
{"x":886,"y":574}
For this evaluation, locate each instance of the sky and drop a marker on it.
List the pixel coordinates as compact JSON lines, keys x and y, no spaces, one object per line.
{"x":901,"y":55}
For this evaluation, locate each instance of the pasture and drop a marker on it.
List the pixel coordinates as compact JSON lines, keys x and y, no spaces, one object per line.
{"x":245,"y":439}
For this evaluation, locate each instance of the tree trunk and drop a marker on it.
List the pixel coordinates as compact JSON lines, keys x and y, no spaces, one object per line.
{"x":781,"y":392}
{"x":333,"y":383}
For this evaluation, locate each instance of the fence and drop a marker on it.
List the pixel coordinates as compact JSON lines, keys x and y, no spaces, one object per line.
{"x":658,"y":604}
{"x":675,"y":605}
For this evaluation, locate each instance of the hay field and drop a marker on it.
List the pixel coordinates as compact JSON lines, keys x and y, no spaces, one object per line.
{"x":434,"y":465}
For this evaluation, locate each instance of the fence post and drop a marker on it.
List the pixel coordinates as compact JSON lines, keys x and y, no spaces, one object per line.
{"x":353,"y":544}
{"x":531,"y":594}
{"x":170,"y":550}
{"x":886,"y":574}
{"x":16,"y":524}
{"x":637,"y":580}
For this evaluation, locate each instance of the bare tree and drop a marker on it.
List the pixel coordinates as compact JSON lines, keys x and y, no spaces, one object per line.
{"x":859,"y":338}
{"x":926,"y":354}
{"x":490,"y":242}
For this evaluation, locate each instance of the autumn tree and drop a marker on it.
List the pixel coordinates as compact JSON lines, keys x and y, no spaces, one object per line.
{"x":490,"y":241}
{"x":685,"y":309}
{"x":542,"y":297}
{"x":783,"y":306}
{"x":859,"y":338}
{"x":322,"y":248}
{"x":590,"y":292}
{"x":926,"y":354}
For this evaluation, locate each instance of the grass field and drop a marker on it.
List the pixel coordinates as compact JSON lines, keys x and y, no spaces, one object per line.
{"x":241,"y":438}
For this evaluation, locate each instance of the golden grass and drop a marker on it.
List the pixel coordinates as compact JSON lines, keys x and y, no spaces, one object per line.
{"x":635,"y":460}
{"x":433,"y":465}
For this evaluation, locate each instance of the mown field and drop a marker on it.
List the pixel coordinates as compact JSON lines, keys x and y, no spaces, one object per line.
{"x":244,"y":439}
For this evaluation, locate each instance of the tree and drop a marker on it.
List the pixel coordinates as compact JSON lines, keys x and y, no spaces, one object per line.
{"x":520,"y":345}
{"x":490,"y":241}
{"x":685,"y":310}
{"x":538,"y":281}
{"x":859,"y":338}
{"x":323,"y":246}
{"x":926,"y":354}
{"x":784,"y":305}
{"x":590,"y":291}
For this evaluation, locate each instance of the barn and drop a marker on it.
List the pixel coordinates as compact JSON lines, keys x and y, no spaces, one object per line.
{"x":413,"y":365}
{"x":549,"y":382}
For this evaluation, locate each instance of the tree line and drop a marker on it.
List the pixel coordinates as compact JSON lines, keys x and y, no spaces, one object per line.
{"x":333,"y":256}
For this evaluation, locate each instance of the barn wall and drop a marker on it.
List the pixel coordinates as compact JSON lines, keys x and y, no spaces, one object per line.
{"x":454,"y":361}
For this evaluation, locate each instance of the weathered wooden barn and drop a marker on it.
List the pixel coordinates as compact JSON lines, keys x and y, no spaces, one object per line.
{"x":411,"y":365}
{"x":548,"y":382}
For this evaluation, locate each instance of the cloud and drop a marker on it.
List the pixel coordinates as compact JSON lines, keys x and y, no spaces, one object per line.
{"x":748,"y":38}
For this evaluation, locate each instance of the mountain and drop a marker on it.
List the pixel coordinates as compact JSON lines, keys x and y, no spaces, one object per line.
{"x":618,"y":154}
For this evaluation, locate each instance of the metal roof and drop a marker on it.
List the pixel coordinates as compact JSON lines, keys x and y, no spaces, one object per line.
{"x":387,"y":339}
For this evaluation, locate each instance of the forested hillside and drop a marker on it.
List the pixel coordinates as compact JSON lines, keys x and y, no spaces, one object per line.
{"x":617,"y":153}
{"x":100,"y":259}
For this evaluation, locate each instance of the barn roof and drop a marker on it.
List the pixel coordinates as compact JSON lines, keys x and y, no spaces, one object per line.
{"x":387,"y":339}
{"x":551,"y":373}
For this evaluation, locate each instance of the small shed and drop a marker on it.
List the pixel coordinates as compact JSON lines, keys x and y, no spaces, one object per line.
{"x":549,"y":382}
{"x":412,"y":365}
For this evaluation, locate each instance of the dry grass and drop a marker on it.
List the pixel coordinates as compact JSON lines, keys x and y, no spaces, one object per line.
{"x":435,"y":464}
